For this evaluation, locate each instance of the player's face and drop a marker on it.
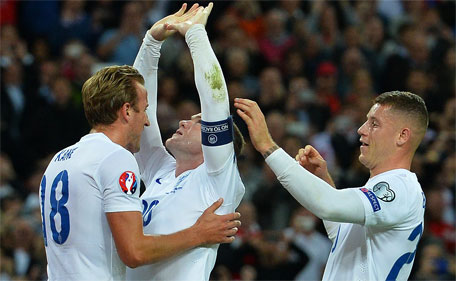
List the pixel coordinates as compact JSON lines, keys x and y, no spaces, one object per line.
{"x":378,"y":136}
{"x":139,"y":119}
{"x":187,"y":138}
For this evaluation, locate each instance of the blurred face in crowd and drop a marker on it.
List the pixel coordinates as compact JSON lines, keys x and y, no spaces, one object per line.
{"x":378,"y":136}
{"x":303,"y":220}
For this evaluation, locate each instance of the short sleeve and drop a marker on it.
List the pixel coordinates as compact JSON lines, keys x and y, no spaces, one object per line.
{"x":120,"y":182}
{"x":385,"y":202}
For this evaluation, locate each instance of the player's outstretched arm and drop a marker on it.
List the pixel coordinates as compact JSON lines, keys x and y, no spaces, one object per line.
{"x":310,"y":191}
{"x":212,"y":90}
{"x":137,"y":249}
{"x":153,"y":155}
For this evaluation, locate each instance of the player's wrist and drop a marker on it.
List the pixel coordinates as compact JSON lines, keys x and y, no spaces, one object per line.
{"x":195,"y":235}
{"x":269,"y":149}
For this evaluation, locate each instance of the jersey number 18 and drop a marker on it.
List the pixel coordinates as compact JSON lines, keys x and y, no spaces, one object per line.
{"x":57,"y":207}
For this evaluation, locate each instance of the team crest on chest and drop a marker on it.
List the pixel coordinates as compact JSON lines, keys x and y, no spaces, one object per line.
{"x":383,"y":192}
{"x":128,"y":182}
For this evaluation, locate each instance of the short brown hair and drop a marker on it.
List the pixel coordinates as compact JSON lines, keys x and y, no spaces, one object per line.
{"x":107,"y":91}
{"x":410,"y":105}
{"x":238,"y":140}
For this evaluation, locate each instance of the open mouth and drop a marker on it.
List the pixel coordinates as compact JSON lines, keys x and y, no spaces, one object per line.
{"x":363,"y":143}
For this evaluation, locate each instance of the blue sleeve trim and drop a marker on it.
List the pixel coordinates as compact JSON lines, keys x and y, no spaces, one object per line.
{"x":372,"y":199}
{"x":217,"y":133}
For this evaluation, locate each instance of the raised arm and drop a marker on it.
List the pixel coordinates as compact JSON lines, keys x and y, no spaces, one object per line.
{"x":211,"y":87}
{"x":153,"y":155}
{"x":309,"y":190}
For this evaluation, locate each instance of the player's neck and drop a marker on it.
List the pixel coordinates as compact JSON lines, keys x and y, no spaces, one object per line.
{"x":185,"y":164}
{"x":392,"y":164}
{"x":115,"y":135}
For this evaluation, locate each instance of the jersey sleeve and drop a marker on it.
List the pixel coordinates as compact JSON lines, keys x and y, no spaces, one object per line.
{"x":331,"y":229}
{"x":120,"y":182}
{"x":315,"y":194}
{"x":385,"y":201}
{"x":152,"y":155}
{"x":213,"y":93}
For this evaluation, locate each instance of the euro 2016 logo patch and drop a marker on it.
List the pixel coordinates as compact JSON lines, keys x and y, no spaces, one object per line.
{"x":128,"y":182}
{"x":384,"y":192}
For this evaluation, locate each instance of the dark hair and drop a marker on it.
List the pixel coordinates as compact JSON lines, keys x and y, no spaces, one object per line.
{"x":107,"y":91}
{"x":238,"y":141}
{"x":409,"y":104}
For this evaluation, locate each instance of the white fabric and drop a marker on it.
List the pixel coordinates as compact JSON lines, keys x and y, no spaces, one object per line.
{"x":213,"y":94}
{"x":370,"y":252}
{"x":94,"y":168}
{"x":173,"y":203}
{"x":393,"y":221}
{"x":313,"y":193}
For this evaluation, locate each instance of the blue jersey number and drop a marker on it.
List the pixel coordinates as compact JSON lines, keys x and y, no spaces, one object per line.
{"x":57,"y":208}
{"x":147,"y":211}
{"x":406,"y":258}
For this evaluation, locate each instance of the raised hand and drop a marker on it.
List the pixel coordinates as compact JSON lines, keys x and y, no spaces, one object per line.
{"x":309,"y":158}
{"x":214,"y":229}
{"x":159,"y":30}
{"x":200,"y":17}
{"x":251,"y":113}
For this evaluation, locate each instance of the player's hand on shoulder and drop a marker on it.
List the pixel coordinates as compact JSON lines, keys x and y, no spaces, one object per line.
{"x":214,"y":229}
{"x":160,"y":31}
{"x":200,"y":17}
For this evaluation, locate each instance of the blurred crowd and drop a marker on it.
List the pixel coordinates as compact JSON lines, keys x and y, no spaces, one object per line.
{"x":314,"y":68}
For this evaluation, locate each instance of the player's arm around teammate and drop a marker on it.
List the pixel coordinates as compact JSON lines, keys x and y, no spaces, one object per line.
{"x":137,"y":249}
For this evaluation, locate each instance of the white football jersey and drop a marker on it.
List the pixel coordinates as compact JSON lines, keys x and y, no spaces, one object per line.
{"x":384,"y":248}
{"x":171,"y":204}
{"x":81,"y":184}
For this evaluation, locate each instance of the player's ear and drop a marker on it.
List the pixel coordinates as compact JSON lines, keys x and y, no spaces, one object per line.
{"x":125,"y":111}
{"x":403,"y":137}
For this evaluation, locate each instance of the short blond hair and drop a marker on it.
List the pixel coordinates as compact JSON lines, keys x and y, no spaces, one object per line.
{"x":107,"y":91}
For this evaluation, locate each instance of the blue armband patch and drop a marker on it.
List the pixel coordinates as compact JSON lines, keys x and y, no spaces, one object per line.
{"x":217,"y":133}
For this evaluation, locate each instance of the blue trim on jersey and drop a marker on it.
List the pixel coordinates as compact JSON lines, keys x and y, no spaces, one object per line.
{"x":372,"y":199}
{"x":337,"y":239}
{"x":217,"y":133}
